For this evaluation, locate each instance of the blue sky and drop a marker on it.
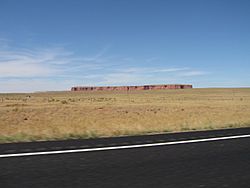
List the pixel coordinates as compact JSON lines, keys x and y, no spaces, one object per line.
{"x":56,"y":44}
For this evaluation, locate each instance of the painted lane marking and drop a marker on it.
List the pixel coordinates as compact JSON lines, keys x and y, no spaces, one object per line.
{"x":124,"y":146}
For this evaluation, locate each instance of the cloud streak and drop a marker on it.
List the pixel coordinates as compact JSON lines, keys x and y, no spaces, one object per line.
{"x":36,"y":69}
{"x":25,"y":63}
{"x":193,"y":73}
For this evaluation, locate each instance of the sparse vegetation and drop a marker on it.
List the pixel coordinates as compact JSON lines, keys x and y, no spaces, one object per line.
{"x":64,"y":102}
{"x":67,"y":115}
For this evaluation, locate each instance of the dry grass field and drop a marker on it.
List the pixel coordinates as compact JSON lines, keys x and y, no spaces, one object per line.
{"x":64,"y":115}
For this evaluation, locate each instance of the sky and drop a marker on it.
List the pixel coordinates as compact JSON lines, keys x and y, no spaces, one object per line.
{"x":48,"y":45}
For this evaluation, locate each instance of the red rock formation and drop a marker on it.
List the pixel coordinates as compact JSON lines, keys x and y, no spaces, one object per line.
{"x":127,"y":88}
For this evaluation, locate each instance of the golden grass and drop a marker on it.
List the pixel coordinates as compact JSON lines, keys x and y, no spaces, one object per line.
{"x":62,"y":115}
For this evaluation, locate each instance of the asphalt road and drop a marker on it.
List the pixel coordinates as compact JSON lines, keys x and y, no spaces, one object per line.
{"x":221,"y":163}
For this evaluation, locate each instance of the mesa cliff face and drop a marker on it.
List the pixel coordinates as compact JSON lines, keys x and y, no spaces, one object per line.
{"x":126,"y":88}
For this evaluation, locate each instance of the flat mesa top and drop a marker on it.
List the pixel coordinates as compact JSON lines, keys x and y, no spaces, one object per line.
{"x":143,"y":87}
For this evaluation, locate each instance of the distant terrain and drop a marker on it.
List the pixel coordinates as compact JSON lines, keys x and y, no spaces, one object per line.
{"x":88,"y":114}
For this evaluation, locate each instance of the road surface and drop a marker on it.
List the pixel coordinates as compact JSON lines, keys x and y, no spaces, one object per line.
{"x":192,"y":159}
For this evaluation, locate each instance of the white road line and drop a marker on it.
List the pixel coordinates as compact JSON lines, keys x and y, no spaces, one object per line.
{"x":124,"y":146}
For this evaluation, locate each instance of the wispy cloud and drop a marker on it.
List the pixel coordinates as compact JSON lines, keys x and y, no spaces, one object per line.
{"x":137,"y":75}
{"x":151,"y":70}
{"x":32,"y":85}
{"x":193,"y":73}
{"x":56,"y":68}
{"x":24,"y":63}
{"x":170,"y":69}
